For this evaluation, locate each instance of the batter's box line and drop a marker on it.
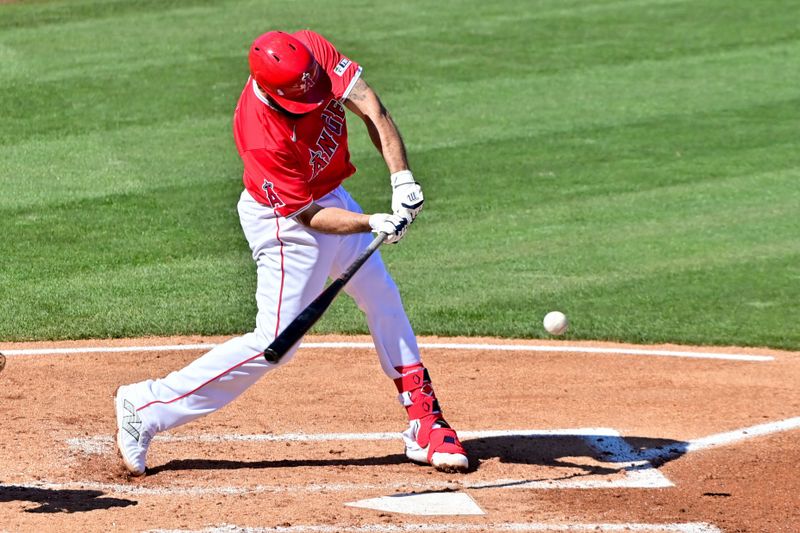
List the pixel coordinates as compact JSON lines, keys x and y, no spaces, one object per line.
{"x":531,"y":348}
{"x":608,"y":445}
{"x":519,"y":527}
{"x":104,"y":444}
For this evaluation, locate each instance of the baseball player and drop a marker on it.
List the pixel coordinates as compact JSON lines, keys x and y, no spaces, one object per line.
{"x":303,"y":227}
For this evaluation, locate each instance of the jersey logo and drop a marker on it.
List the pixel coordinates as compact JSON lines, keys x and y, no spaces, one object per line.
{"x":271,"y":196}
{"x":341,"y":67}
{"x":327,"y":143}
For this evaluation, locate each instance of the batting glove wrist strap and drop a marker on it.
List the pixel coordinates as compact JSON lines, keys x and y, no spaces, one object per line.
{"x":401,"y":177}
{"x":394,"y":226}
{"x":407,"y":198}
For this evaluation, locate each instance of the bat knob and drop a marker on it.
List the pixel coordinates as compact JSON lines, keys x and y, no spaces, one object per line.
{"x":271,"y":356}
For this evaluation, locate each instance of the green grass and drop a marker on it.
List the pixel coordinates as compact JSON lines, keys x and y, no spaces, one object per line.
{"x":632,"y":163}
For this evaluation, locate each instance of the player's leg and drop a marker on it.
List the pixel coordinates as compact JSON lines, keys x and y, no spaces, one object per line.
{"x":429,"y":439}
{"x":292,"y":266}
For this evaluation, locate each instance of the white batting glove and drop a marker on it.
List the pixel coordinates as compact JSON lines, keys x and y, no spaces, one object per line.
{"x":407,"y":196}
{"x":394,"y":226}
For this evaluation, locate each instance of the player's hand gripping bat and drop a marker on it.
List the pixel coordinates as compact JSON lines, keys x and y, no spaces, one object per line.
{"x":309,"y":316}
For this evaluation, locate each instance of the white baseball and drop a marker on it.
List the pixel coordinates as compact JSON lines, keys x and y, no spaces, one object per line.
{"x":555,"y":322}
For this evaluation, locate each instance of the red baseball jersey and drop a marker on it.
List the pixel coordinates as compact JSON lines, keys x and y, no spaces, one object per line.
{"x":290,"y":162}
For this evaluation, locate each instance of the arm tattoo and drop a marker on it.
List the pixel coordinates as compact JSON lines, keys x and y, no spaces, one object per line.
{"x":358,"y":93}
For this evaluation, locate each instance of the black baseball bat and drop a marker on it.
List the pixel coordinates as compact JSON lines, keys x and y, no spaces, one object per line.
{"x":309,"y":316}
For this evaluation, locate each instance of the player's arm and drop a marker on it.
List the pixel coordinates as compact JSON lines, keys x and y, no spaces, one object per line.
{"x":407,"y":196}
{"x":364,"y":102}
{"x":333,"y":220}
{"x":341,"y":222}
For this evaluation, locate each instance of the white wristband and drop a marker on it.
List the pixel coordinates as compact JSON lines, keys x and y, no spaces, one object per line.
{"x":401,"y":177}
{"x":375,"y":220}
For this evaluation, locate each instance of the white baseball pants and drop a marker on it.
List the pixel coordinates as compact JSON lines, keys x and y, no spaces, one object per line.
{"x":293,"y":263}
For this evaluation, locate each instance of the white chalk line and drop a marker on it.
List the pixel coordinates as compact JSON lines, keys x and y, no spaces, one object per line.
{"x":437,"y":346}
{"x":731,"y":437}
{"x":108,"y":349}
{"x":313,"y":488}
{"x":720,"y":439}
{"x":88,"y":442}
{"x":688,"y":527}
{"x":607,"y":444}
{"x":612,"y":447}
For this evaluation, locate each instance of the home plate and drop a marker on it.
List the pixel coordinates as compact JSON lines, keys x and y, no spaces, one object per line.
{"x":428,"y":503}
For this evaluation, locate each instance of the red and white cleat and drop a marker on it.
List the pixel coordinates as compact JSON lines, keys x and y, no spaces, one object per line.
{"x":431,"y":440}
{"x":428,"y":439}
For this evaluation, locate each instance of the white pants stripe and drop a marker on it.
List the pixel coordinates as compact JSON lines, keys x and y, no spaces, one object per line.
{"x":293,"y":264}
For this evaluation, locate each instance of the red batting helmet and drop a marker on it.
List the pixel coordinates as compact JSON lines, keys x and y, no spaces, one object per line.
{"x":285,"y":69}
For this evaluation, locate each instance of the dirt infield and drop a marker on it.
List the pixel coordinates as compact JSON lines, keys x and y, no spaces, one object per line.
{"x":564,"y":436}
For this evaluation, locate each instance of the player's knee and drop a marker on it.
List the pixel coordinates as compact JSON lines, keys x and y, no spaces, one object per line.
{"x":376,"y":293}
